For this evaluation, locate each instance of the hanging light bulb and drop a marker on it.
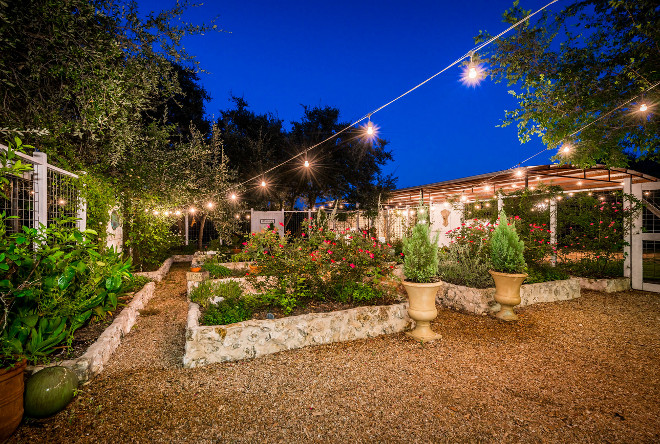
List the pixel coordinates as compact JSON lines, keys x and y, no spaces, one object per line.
{"x":307,"y":164}
{"x":192,"y":210}
{"x":643,"y":107}
{"x":233,"y":197}
{"x":156,"y":212}
{"x":263,"y":183}
{"x":566,"y":149}
{"x":370,"y":128}
{"x":177,"y":212}
{"x":472,"y":73}
{"x":167,"y":213}
{"x":209,"y":205}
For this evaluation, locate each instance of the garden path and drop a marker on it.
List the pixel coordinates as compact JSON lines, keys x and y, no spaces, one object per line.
{"x":584,"y":370}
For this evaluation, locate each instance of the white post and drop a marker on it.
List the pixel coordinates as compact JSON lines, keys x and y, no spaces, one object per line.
{"x":185,"y":222}
{"x":636,"y":243}
{"x":40,"y":187}
{"x":627,"y":232}
{"x":81,"y":223}
{"x":500,"y":204}
{"x":553,"y":231}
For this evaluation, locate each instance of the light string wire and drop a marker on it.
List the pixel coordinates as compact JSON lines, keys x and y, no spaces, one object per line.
{"x":457,"y":61}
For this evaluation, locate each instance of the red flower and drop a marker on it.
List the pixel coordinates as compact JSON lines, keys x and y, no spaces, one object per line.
{"x":351,"y":265}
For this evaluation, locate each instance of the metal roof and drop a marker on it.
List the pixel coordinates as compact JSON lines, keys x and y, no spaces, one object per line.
{"x":485,"y":186}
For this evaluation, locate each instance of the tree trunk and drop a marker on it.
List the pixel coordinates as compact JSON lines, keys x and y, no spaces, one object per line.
{"x":200,"y":238}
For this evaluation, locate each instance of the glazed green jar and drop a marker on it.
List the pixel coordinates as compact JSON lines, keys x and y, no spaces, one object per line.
{"x":49,"y":391}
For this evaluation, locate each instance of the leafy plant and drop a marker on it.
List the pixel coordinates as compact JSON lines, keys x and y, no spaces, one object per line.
{"x":52,"y":280}
{"x":466,"y":264}
{"x":232,"y":308}
{"x":420,"y":263}
{"x":544,"y":273}
{"x":506,"y":248}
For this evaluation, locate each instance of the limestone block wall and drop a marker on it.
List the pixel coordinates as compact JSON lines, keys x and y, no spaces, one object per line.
{"x":604,"y":285}
{"x":249,"y":339}
{"x":481,"y":300}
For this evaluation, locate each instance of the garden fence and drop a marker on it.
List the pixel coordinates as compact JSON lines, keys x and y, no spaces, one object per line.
{"x":41,"y":195}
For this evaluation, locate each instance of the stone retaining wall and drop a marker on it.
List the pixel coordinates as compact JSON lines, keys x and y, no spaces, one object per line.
{"x":604,"y":285}
{"x":480,"y":300}
{"x":249,"y":339}
{"x":97,"y":355}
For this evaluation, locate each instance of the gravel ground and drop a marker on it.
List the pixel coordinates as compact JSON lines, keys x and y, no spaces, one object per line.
{"x":578,"y":371}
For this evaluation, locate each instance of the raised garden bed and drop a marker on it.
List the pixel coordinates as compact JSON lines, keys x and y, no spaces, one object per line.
{"x":92,"y":361}
{"x":250,"y":339}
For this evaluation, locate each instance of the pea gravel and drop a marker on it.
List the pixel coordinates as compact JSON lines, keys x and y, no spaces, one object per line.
{"x":586,"y":370}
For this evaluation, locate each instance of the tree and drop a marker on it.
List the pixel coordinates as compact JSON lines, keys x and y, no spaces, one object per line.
{"x":576,"y":66}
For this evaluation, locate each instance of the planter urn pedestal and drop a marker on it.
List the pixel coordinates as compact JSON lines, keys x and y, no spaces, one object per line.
{"x":421,"y":309}
{"x":507,"y":293}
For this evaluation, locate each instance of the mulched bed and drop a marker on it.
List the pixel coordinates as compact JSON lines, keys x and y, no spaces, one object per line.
{"x":314,"y":307}
{"x":584,"y":370}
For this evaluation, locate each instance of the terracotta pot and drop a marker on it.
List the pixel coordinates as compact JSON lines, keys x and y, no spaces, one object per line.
{"x":195,"y":269}
{"x":507,"y":293}
{"x":236,"y":250}
{"x":421,"y":309}
{"x":11,"y":398}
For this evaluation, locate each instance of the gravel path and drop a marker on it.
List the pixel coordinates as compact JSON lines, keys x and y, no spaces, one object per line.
{"x":578,"y":371}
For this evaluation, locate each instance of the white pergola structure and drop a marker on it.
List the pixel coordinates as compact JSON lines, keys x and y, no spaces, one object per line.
{"x":446,"y":201}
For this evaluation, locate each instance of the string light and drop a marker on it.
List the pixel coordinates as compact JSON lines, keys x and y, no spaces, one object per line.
{"x":419,"y":85}
{"x":62,"y":202}
{"x":177,"y":212}
{"x":192,"y":210}
{"x":643,"y":107}
{"x":566,"y":149}
{"x":209,"y":205}
{"x":263,"y":183}
{"x":167,"y":213}
{"x":307,"y":164}
{"x":233,"y":197}
{"x":156,"y":212}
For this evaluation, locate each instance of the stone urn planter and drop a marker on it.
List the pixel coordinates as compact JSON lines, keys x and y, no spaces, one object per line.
{"x":507,"y":293}
{"x":11,"y":399}
{"x":422,"y":309}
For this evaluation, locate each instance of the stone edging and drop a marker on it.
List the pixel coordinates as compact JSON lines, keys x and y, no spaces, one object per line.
{"x":159,"y":274}
{"x":480,"y":300}
{"x":604,"y":285}
{"x":97,"y":355}
{"x":250,"y":339}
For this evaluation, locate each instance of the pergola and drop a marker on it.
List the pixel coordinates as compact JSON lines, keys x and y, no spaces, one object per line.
{"x":486,"y":186}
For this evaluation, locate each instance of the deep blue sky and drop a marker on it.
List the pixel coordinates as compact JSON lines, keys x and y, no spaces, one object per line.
{"x":358,"y":55}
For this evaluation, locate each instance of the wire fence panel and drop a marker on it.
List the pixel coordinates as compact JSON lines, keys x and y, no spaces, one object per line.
{"x":62,"y":196}
{"x":18,"y":202}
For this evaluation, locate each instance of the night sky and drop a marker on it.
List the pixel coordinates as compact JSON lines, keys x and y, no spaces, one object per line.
{"x":357,"y":56}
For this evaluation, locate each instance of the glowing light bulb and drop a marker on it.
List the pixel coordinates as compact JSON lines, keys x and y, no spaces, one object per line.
{"x":62,"y":202}
{"x":643,"y":107}
{"x":487,"y":188}
{"x":263,"y":183}
{"x":210,"y":204}
{"x":519,"y":172}
{"x":236,"y":216}
{"x":233,"y":197}
{"x":566,"y":149}
{"x":156,"y":213}
{"x":307,"y":164}
{"x":177,"y":212}
{"x":472,"y":73}
{"x":167,"y":213}
{"x":579,"y":182}
{"x":463,"y":198}
{"x":370,"y":129}
{"x":192,"y":210}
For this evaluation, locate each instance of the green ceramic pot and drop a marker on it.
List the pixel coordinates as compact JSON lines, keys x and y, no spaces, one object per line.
{"x":49,"y":391}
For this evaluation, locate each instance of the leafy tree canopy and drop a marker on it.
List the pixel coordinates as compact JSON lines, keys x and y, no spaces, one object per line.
{"x":576,"y":66}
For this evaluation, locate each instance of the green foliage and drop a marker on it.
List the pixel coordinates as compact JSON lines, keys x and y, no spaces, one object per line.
{"x":52,"y":280}
{"x":544,"y":273}
{"x":596,"y":268}
{"x":233,"y":308}
{"x":578,"y":65}
{"x":100,"y":195}
{"x":217,"y":271}
{"x":466,"y":260}
{"x":506,"y":248}
{"x":357,"y":293}
{"x":11,"y":164}
{"x":150,"y":239}
{"x":420,"y":263}
{"x":134,"y":283}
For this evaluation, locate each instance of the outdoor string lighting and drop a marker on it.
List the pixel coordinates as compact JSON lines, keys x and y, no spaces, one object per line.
{"x":307,"y":164}
{"x":209,"y":205}
{"x":643,"y":107}
{"x":233,"y":196}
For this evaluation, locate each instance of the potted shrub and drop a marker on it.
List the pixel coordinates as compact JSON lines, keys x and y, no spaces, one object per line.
{"x":508,"y":267}
{"x":420,"y":267}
